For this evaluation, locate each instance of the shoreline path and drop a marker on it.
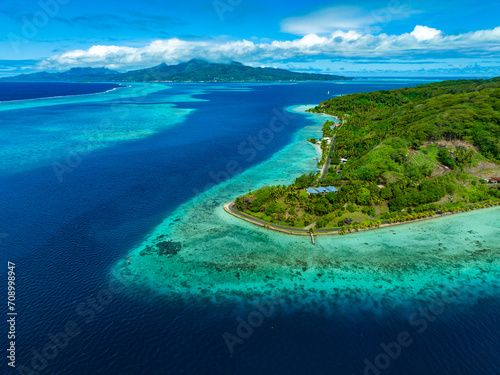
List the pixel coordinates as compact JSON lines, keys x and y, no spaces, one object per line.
{"x":229,"y":208}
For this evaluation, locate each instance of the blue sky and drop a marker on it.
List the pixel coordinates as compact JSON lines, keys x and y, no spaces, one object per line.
{"x":358,"y":38}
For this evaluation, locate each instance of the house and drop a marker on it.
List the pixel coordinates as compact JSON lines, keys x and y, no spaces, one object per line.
{"x":322,"y":190}
{"x":343,"y":160}
{"x":311,"y":191}
{"x":332,"y":189}
{"x":495,"y":180}
{"x":381,"y":186}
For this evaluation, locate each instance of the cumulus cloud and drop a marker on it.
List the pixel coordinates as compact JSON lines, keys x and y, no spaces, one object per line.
{"x":344,"y":18}
{"x":424,"y":33}
{"x":421,"y":41}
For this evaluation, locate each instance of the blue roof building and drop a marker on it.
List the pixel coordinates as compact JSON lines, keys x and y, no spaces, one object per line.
{"x":332,"y":189}
{"x":321,"y":189}
{"x":311,"y":191}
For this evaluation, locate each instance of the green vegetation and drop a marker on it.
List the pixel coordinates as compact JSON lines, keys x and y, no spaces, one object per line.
{"x":422,"y":146}
{"x":192,"y":71}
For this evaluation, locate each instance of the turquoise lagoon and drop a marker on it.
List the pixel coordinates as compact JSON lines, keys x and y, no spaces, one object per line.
{"x":70,"y":240}
{"x":225,"y":259}
{"x":42,"y":136}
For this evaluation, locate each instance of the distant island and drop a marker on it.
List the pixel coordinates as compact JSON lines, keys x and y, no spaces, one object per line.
{"x":393,"y":156}
{"x":191,"y":71}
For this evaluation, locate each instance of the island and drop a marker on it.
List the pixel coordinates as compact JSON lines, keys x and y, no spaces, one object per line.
{"x":391,"y":157}
{"x":195,"y":70}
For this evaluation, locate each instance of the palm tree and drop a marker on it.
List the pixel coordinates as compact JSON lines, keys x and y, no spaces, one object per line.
{"x":274,"y":192}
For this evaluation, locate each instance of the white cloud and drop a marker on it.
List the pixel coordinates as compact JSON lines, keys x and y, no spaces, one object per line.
{"x":344,"y":18}
{"x":424,"y":32}
{"x":421,"y":41}
{"x":326,"y":20}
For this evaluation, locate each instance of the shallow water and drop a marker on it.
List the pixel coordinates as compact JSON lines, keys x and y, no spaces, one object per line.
{"x":223,"y":258}
{"x":70,"y":238}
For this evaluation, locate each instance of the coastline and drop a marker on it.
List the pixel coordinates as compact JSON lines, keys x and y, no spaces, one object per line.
{"x":200,"y":253}
{"x":229,"y":207}
{"x":331,"y":232}
{"x":302,"y":109}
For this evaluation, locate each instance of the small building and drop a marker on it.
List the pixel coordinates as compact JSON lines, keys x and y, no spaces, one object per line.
{"x":381,"y":186}
{"x":322,"y":190}
{"x":343,"y":160}
{"x":311,"y":191}
{"x":332,"y":189}
{"x":495,"y":180}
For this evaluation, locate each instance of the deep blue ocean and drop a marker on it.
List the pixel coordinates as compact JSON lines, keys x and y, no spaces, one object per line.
{"x":65,"y":235}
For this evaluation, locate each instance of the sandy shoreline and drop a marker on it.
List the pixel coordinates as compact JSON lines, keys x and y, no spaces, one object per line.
{"x":302,"y":232}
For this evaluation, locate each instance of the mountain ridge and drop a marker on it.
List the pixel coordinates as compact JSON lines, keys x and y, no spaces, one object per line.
{"x":194,"y":70}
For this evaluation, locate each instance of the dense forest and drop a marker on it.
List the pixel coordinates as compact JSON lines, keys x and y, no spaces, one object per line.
{"x":191,"y":71}
{"x":467,"y":110}
{"x":410,"y":152}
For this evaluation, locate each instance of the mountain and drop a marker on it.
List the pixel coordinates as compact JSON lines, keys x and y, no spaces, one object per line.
{"x":192,"y":71}
{"x":203,"y":71}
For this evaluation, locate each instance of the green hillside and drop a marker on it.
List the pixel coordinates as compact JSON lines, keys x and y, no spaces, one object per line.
{"x":192,"y":71}
{"x":410,"y":153}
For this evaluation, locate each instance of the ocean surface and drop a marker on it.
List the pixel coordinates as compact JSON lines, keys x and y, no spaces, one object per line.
{"x":87,"y":180}
{"x":35,"y":90}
